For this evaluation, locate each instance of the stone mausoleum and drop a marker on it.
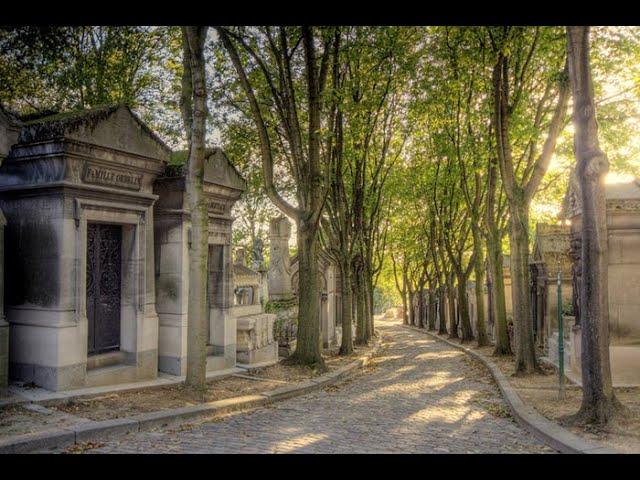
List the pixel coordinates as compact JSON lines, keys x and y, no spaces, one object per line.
{"x":223,"y":186}
{"x":623,"y":226}
{"x":96,"y":249}
{"x":551,"y":255}
{"x":255,"y":343}
{"x":9,"y":131}
{"x":77,"y":194}
{"x":283,"y":280}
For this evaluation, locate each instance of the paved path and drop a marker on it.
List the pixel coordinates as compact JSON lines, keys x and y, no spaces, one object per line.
{"x":419,"y":396}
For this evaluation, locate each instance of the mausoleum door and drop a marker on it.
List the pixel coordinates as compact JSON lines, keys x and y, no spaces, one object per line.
{"x":104,"y":274}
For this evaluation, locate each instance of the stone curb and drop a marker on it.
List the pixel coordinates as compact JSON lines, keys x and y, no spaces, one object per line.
{"x":549,"y":432}
{"x":110,"y":429}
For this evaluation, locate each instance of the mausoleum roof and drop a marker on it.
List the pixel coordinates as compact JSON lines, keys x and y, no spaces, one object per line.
{"x":552,"y":245}
{"x":218,"y":168}
{"x":85,"y":124}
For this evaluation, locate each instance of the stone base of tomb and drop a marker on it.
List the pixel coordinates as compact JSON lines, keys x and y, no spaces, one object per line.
{"x":623,"y":358}
{"x":255,"y":342}
{"x":268,"y":353}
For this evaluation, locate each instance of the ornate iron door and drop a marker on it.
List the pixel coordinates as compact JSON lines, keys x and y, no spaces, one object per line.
{"x":104,"y":263}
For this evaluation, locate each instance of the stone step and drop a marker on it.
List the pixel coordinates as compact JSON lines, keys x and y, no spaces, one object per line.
{"x":105,"y":360}
{"x":111,"y":375}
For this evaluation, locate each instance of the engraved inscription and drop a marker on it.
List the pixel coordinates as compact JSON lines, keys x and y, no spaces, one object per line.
{"x":110,"y":177}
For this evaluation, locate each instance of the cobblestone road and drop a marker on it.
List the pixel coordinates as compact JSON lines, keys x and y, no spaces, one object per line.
{"x":419,"y":396}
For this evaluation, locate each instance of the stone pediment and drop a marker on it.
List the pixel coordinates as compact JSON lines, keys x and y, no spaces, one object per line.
{"x":219,"y":170}
{"x":115,"y":127}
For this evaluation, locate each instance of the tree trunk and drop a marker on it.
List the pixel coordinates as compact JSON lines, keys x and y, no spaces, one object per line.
{"x":431,"y":311}
{"x":195,"y":114}
{"x":481,"y":326}
{"x":308,"y":345}
{"x":526,"y":361}
{"x":442,"y":310}
{"x":501,"y":332}
{"x":346,"y":344}
{"x":599,"y":403}
{"x":368,"y":309}
{"x":412,"y":310}
{"x":463,"y":310}
{"x":361,"y":325}
{"x":451,"y":303}
{"x":369,"y":290}
{"x":405,"y":314}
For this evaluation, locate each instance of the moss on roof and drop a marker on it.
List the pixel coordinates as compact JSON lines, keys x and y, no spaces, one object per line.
{"x":48,"y":125}
{"x":70,"y":117}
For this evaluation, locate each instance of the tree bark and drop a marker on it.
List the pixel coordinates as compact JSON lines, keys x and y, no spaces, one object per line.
{"x":453,"y":325}
{"x":361,"y":301}
{"x":431,"y":312}
{"x":526,"y":361}
{"x":346,"y":343}
{"x":308,"y":345}
{"x":501,"y":332}
{"x":599,"y":403}
{"x":197,"y":316}
{"x":442,"y":310}
{"x":481,"y":326}
{"x":463,"y":310}
{"x":412,"y":310}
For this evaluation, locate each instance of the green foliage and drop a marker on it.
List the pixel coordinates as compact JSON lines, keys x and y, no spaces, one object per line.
{"x":275,"y":306}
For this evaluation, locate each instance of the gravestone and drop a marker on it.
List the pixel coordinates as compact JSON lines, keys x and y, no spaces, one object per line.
{"x":222,"y":187}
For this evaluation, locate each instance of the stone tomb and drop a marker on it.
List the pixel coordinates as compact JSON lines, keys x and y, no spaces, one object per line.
{"x":9,"y":131}
{"x":223,"y":186}
{"x":551,"y":251}
{"x":255,"y":329}
{"x":330,"y":298}
{"x":76,"y":190}
{"x":623,"y":225}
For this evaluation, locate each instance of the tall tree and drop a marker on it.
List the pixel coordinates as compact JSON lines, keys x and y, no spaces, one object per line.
{"x":599,"y":403}
{"x":282,"y":82}
{"x":522,"y":54}
{"x":194,"y":110}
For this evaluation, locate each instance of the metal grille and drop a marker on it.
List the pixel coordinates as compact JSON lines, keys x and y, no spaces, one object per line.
{"x":104,"y":262}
